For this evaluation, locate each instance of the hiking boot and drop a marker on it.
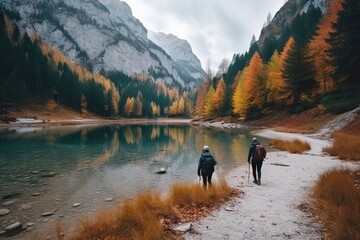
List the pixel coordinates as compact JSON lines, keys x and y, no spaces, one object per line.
{"x":259,"y":182}
{"x":255,"y":182}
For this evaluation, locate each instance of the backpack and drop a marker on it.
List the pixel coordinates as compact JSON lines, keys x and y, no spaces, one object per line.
{"x":208,"y":163}
{"x":260,"y":152}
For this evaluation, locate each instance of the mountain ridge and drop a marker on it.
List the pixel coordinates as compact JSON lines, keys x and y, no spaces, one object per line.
{"x":102,"y":35}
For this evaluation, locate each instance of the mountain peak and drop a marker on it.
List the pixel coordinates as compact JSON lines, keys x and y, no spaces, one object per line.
{"x":180,"y":51}
{"x":103,"y":34}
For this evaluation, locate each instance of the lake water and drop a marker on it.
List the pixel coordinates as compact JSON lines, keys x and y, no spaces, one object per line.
{"x":48,"y":170}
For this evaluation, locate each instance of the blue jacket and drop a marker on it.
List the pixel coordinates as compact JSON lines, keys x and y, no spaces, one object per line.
{"x":202,"y":169}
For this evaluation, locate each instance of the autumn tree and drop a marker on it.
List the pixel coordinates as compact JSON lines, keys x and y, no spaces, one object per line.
{"x":129,"y":106}
{"x":155,"y":109}
{"x":249,"y":95}
{"x":239,"y":97}
{"x":318,"y":48}
{"x":219,"y":96}
{"x":275,"y":84}
{"x":200,"y":99}
{"x":209,"y":102}
{"x":181,"y":106}
{"x":254,"y":82}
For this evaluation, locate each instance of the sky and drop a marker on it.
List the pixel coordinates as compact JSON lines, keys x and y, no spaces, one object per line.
{"x":215,"y":29}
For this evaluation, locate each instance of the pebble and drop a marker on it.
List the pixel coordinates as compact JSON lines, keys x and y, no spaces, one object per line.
{"x":183,"y":227}
{"x":50,"y":174}
{"x":8,"y":203}
{"x":25,"y":207}
{"x":47,"y":214}
{"x":35,"y":172}
{"x":4,"y":211}
{"x":76,"y":205}
{"x":13,"y":229}
{"x":35,"y":194}
{"x":108,"y":199}
{"x":30,"y":224}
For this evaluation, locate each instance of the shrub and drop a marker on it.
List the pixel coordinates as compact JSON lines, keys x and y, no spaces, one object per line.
{"x":146,"y":216}
{"x":337,"y":203}
{"x":345,"y":147}
{"x":294,"y":146}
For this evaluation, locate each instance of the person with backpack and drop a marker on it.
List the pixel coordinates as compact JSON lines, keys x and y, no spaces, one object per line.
{"x":257,"y":153}
{"x":206,"y":166}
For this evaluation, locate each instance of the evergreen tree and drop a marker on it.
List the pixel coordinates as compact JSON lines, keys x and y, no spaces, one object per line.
{"x":298,"y":72}
{"x":345,"y":43}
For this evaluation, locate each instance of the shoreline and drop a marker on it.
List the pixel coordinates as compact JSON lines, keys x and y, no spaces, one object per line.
{"x":92,"y":122}
{"x":272,"y":210}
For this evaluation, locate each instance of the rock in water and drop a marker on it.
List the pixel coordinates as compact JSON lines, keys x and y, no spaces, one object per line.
{"x":161,"y":171}
{"x":4,"y":211}
{"x":13,"y":229}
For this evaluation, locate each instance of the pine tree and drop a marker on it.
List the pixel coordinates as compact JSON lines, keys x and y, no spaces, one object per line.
{"x":345,"y":43}
{"x":298,"y":73}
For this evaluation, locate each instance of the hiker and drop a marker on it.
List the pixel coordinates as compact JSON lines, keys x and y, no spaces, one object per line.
{"x":206,"y":166}
{"x":257,"y":154}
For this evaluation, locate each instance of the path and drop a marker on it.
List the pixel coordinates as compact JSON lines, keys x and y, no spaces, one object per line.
{"x":271,"y":211}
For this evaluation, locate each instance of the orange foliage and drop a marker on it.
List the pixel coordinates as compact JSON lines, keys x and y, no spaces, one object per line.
{"x":57,"y":57}
{"x":253,"y":76}
{"x":318,"y":48}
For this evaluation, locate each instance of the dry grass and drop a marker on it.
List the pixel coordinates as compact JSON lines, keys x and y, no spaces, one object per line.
{"x":195,"y":195}
{"x":345,"y":146}
{"x":337,"y":202}
{"x":149,"y":215}
{"x":294,"y":146}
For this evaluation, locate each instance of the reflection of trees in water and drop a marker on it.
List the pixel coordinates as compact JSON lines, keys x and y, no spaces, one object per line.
{"x":176,"y":134}
{"x":239,"y":146}
{"x":129,"y":135}
{"x":155,"y":132}
{"x":108,"y":153}
{"x":139,"y":135}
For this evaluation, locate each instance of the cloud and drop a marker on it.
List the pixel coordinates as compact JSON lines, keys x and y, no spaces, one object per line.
{"x":215,"y":29}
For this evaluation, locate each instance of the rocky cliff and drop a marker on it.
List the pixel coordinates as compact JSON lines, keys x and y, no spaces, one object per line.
{"x":102,"y":34}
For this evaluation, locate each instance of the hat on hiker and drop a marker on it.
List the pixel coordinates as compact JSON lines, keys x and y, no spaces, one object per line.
{"x":205,"y":147}
{"x":254,"y":140}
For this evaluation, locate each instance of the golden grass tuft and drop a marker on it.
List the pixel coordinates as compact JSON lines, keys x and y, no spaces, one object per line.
{"x":345,"y":146}
{"x":337,"y":202}
{"x":195,"y":195}
{"x":294,"y":146}
{"x":148,"y":215}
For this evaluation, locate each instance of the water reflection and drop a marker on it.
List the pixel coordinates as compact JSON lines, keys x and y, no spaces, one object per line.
{"x":87,"y":164}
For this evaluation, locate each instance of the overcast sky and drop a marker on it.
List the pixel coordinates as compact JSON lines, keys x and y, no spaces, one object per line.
{"x":215,"y":29}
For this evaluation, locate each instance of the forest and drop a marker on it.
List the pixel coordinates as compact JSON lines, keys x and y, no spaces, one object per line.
{"x":33,"y":71}
{"x":314,"y":61}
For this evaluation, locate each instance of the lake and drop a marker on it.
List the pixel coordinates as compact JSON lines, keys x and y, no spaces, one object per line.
{"x":51,"y":169}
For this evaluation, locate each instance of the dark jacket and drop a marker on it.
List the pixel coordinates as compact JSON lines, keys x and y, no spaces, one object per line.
{"x":206,"y":155}
{"x":252,"y":151}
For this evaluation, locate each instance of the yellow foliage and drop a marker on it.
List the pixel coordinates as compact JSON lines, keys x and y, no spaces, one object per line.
{"x":129,"y":106}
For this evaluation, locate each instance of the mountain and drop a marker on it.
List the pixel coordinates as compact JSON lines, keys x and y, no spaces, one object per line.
{"x":102,"y":35}
{"x":186,"y":62}
{"x":285,"y":16}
